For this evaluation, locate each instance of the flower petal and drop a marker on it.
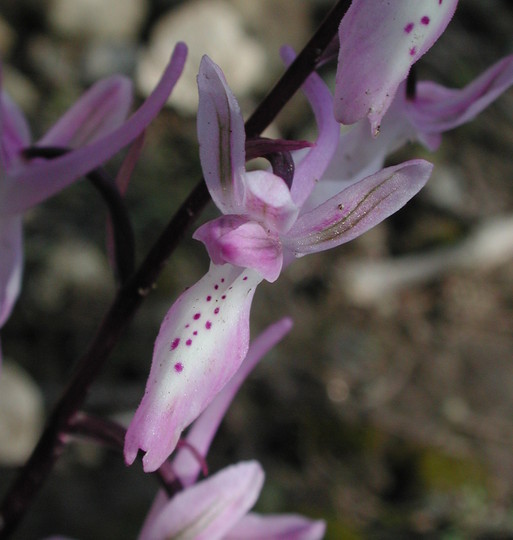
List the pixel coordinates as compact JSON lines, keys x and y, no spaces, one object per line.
{"x":14,"y":129}
{"x":276,"y":527}
{"x":201,"y":344}
{"x":437,"y":109}
{"x":358,"y":208}
{"x":11,"y":263}
{"x":36,"y":181}
{"x":200,"y":435}
{"x":210,"y":508}
{"x":311,"y":167}
{"x":221,"y":137}
{"x":243,"y":243}
{"x":379,"y":42}
{"x":268,"y":201}
{"x":103,"y":108}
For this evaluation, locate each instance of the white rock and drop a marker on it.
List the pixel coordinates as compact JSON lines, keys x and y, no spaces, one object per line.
{"x":21,"y":414}
{"x":489,"y":245}
{"x":112,"y":20}
{"x":212,"y":27}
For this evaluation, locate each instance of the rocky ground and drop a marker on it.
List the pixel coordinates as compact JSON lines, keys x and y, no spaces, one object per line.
{"x":388,"y":409}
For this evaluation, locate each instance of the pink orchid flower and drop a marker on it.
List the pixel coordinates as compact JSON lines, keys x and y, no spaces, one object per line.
{"x":96,"y":126}
{"x":205,"y":335}
{"x":379,"y":42}
{"x":423,"y":117}
{"x":217,"y":507}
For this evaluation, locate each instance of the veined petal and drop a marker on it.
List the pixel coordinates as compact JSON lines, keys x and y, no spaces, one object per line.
{"x":11,"y":264}
{"x":103,"y":108}
{"x":379,"y":42}
{"x":268,"y":201}
{"x":210,"y":508}
{"x":201,"y":433}
{"x":436,"y":109}
{"x":221,"y":138}
{"x":14,"y":130}
{"x":358,"y":208}
{"x":201,"y":344}
{"x":276,"y":527}
{"x":31,"y":183}
{"x":311,"y":167}
{"x":242,"y":243}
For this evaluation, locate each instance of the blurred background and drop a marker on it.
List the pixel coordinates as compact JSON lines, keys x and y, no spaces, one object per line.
{"x":388,"y":409}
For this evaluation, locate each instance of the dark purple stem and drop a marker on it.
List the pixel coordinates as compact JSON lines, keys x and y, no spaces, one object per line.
{"x":112,"y":434}
{"x":130,"y":296}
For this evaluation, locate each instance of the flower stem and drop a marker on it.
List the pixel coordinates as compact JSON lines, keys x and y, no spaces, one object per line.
{"x":131,"y":295}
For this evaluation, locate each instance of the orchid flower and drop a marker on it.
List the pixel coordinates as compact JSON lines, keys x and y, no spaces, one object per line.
{"x":205,"y":335}
{"x":96,"y":126}
{"x":217,"y":507}
{"x":423,"y":117}
{"x":379,"y":42}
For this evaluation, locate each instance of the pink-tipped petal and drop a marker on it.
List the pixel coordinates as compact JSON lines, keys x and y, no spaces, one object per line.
{"x":311,"y":167}
{"x":242,"y":243}
{"x":26,"y":188}
{"x":201,"y":433}
{"x":11,"y":264}
{"x":358,"y":208}
{"x":379,"y":42}
{"x":268,"y":201}
{"x":276,"y":527}
{"x":221,"y":138}
{"x":103,"y":108}
{"x":437,"y":109}
{"x":210,"y":508}
{"x":201,"y":344}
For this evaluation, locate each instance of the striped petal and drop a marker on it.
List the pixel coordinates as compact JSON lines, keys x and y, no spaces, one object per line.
{"x":221,"y":137}
{"x":358,"y":208}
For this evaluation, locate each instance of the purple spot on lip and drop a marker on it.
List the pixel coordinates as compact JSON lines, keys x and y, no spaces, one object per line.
{"x":244,"y":278}
{"x":209,"y":298}
{"x":216,"y":311}
{"x":197,"y":316}
{"x":175,"y":343}
{"x":187,"y":325}
{"x":413,"y":50}
{"x":223,"y":297}
{"x":208,"y":325}
{"x":188,"y":342}
{"x":425,"y":20}
{"x":409,"y":27}
{"x":222,"y":280}
{"x":216,"y":286}
{"x":178,"y":367}
{"x":195,"y":333}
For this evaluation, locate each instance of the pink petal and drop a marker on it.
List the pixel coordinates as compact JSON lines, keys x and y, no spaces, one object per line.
{"x":204,"y":428}
{"x":311,"y":167}
{"x":103,"y":108}
{"x":34,"y":182}
{"x":221,"y":137}
{"x":11,"y":263}
{"x":358,"y":208}
{"x":379,"y":42}
{"x":437,"y":109}
{"x":14,"y":130}
{"x":201,"y":344}
{"x":242,"y":243}
{"x":276,"y":527}
{"x":268,"y":201}
{"x":210,"y":508}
